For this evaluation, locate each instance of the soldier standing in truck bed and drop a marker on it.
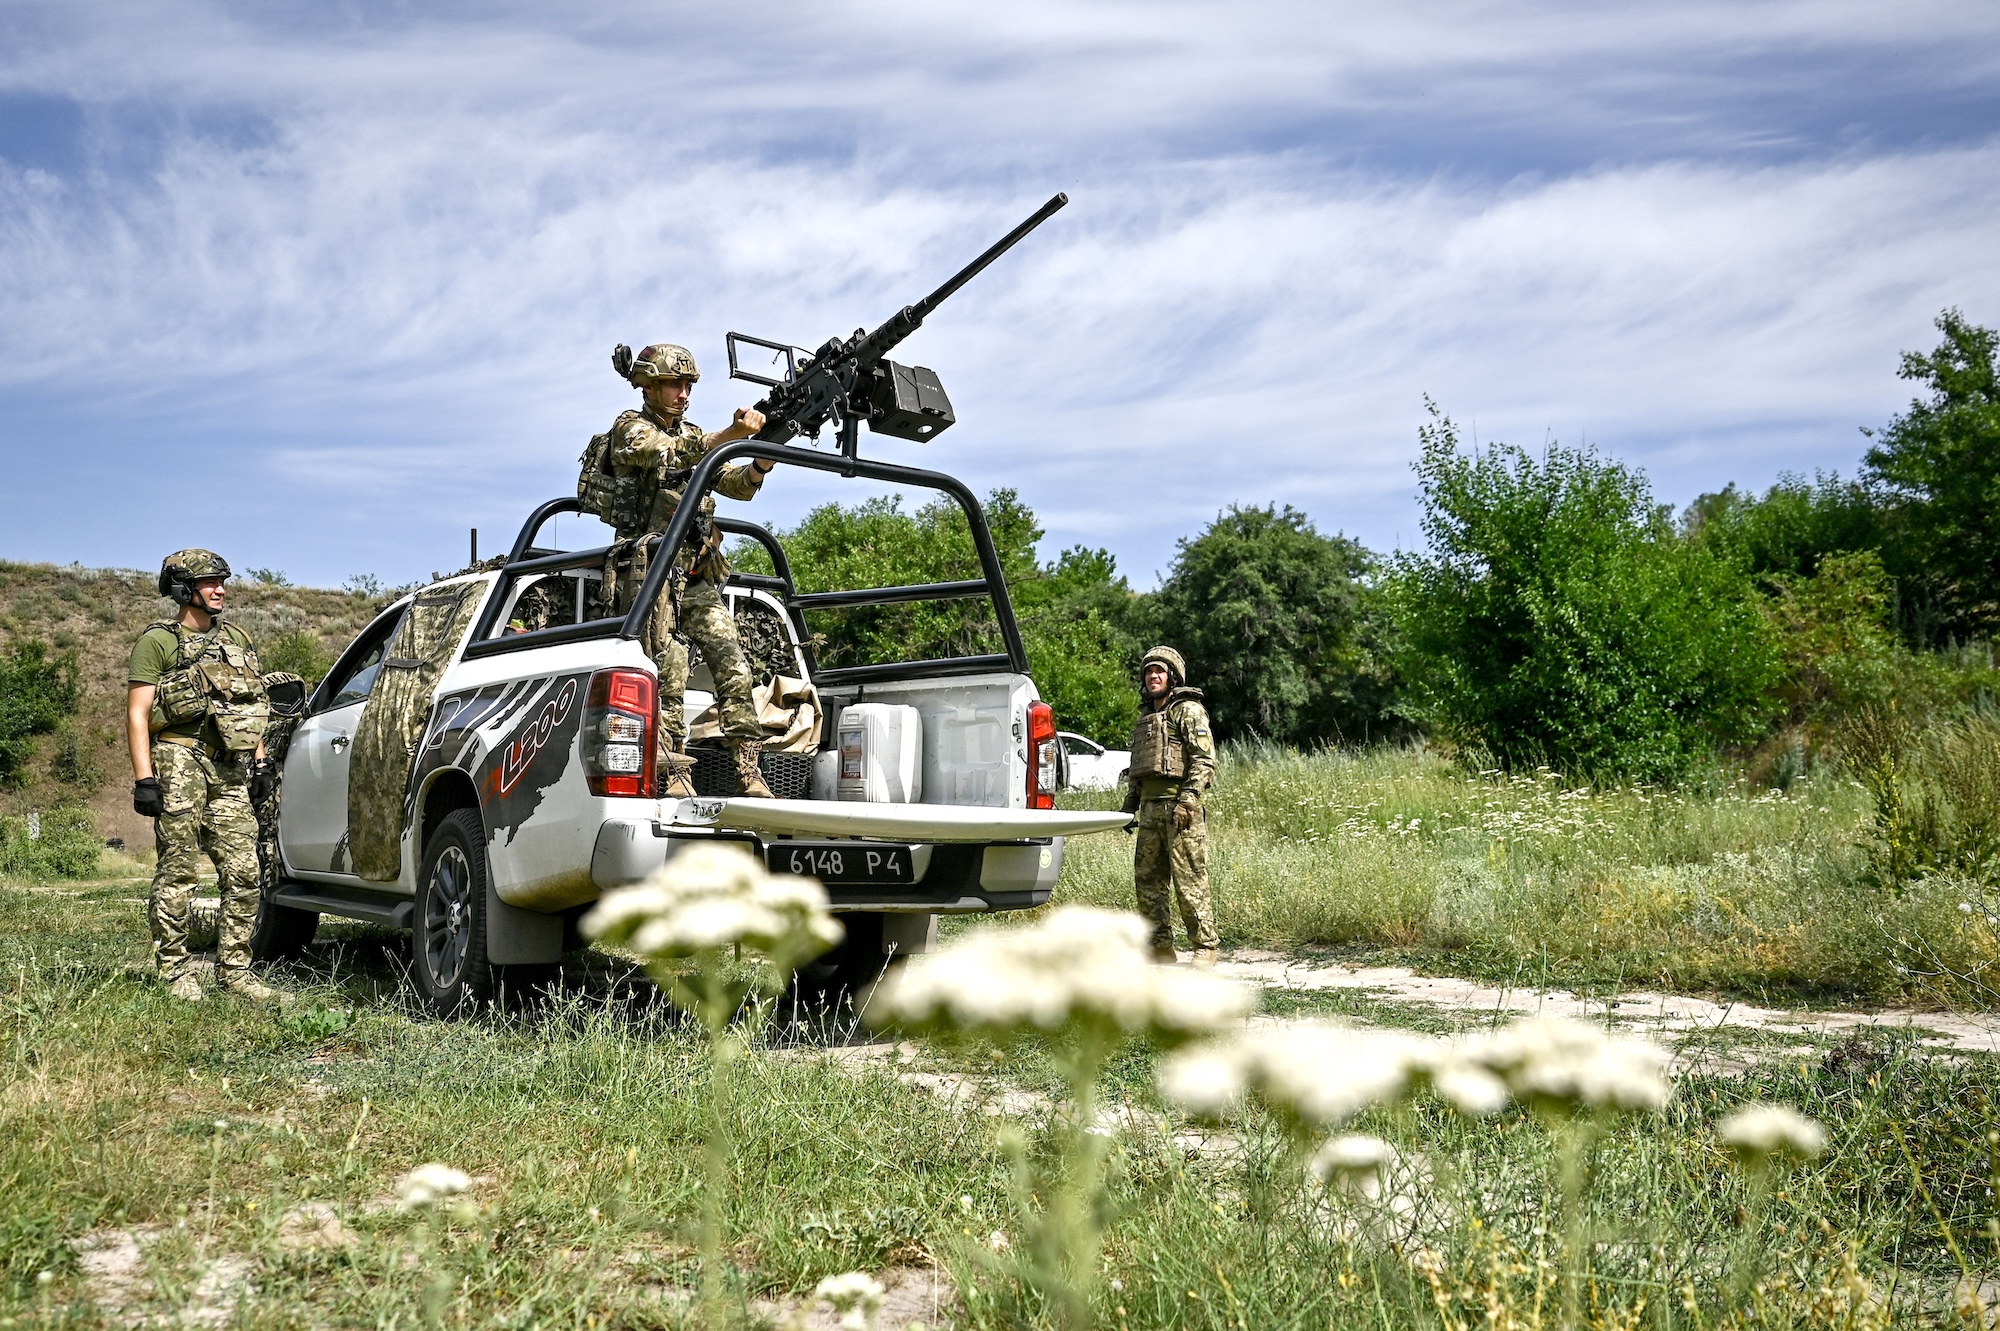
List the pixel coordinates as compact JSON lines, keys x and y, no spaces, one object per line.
{"x":633,"y":477}
{"x":1173,"y":764}
{"x":196,"y":712}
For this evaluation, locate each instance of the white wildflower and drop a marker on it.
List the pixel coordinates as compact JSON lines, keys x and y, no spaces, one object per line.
{"x":855,"y":1295}
{"x":1353,"y":1156}
{"x":1471,"y":1090}
{"x":1079,"y":964}
{"x":1560,"y":1065}
{"x":427,"y":1185}
{"x":1320,"y":1073}
{"x":1758,"y":1132}
{"x":714,"y":895}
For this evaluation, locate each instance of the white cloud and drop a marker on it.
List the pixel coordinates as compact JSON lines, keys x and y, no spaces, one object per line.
{"x":356,"y":257}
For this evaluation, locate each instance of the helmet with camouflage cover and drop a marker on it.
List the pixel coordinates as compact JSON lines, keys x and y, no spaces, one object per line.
{"x":1171,"y":659}
{"x":180,"y":571}
{"x":655,"y":361}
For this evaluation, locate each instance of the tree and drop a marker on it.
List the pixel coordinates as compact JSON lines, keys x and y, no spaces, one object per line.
{"x":1938,"y":465}
{"x":1276,"y":622}
{"x":1558,"y":617}
{"x":1791,"y":527}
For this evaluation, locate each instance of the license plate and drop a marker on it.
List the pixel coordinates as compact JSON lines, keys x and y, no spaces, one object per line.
{"x":842,"y":861}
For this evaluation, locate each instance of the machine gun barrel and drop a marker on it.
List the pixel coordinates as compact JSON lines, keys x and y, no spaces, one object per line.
{"x":911,"y":317}
{"x":831,"y":383}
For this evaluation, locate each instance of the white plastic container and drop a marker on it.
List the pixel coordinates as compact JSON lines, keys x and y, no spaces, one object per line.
{"x":879,"y":749}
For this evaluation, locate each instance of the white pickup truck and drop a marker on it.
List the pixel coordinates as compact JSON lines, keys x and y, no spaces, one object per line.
{"x":504,"y":780}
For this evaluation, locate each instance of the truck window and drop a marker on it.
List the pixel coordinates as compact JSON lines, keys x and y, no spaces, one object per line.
{"x":353,"y":676}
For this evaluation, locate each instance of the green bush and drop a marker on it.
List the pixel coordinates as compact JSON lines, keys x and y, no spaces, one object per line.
{"x":1282,"y":628}
{"x":37,"y":692}
{"x":1557,"y":617}
{"x":66,"y":848}
{"x":1936,"y":791}
{"x":300,"y":652}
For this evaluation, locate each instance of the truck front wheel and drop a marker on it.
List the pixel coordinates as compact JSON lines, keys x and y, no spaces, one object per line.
{"x":448,"y":935}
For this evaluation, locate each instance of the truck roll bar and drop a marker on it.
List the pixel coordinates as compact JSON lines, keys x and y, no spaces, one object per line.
{"x":525,"y":559}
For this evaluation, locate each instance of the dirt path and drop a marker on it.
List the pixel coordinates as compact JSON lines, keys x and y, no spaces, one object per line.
{"x":1666,"y":1014}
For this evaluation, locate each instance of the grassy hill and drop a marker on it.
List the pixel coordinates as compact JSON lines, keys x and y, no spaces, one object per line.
{"x":97,"y":614}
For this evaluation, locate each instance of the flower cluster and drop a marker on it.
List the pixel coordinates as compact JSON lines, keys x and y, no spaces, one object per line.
{"x":855,"y":1295}
{"x":427,"y":1185}
{"x":715,"y":895}
{"x":1079,"y":964}
{"x":1758,"y":1132}
{"x":1555,"y":1064}
{"x":1320,"y":1074}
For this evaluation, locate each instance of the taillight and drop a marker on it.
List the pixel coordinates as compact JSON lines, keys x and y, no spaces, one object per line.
{"x":617,"y":736}
{"x":1044,"y":756}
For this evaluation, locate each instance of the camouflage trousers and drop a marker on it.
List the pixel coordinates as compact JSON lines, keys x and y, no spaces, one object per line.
{"x":203,"y":799}
{"x":1168,"y":864}
{"x":707,"y":623}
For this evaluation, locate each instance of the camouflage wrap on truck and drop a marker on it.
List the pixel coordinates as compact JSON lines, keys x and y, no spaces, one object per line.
{"x":385,"y":743}
{"x":287,"y":693}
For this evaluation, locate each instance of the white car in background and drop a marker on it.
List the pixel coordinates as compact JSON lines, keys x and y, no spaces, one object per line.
{"x":1091,"y":765}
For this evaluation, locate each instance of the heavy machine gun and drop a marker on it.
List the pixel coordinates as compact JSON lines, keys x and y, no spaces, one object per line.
{"x":851,"y":380}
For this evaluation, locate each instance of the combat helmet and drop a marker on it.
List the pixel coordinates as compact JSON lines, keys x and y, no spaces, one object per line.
{"x":180,"y":570}
{"x":655,"y":361}
{"x":1171,"y":659}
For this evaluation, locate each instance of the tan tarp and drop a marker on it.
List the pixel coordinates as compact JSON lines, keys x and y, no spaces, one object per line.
{"x":788,"y":708}
{"x":385,"y":743}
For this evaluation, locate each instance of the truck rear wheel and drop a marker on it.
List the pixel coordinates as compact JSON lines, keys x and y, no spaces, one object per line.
{"x":448,"y":933}
{"x":842,"y":973}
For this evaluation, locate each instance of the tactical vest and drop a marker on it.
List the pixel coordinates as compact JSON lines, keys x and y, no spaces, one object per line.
{"x":624,"y":501}
{"x":215,"y":678}
{"x":1157,"y":748}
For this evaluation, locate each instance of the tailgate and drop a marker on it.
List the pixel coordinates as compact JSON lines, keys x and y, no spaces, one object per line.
{"x":893,"y":822}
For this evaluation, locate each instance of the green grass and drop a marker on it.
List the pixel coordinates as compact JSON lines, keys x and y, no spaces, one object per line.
{"x":1401,"y":854}
{"x":120,"y":1108}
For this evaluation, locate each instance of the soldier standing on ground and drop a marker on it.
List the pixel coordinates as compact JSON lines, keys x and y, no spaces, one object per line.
{"x":634,"y":481}
{"x":195,"y":716}
{"x":1173,"y":763}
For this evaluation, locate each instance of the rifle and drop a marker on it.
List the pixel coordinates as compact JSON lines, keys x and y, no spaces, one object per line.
{"x":850,"y":380}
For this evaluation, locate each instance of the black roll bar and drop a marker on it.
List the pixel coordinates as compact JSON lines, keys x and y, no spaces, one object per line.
{"x":525,"y":558}
{"x":705,"y":472}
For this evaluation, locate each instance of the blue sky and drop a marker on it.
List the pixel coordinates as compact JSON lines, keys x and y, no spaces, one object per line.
{"x":324,"y":291}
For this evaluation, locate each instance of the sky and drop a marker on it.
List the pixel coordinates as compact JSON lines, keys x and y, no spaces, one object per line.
{"x":323,"y":287}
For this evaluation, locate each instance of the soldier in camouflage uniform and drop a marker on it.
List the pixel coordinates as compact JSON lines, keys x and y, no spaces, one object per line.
{"x":196,"y":712}
{"x":1173,"y":763}
{"x":638,"y":479}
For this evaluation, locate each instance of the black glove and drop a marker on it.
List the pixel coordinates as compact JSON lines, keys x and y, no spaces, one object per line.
{"x":147,"y":801}
{"x":263,"y":780}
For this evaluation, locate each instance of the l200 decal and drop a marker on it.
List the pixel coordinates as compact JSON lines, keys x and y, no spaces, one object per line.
{"x":517,"y":757}
{"x":519,"y":767}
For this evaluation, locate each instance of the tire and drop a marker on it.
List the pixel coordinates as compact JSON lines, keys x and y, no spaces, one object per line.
{"x":281,"y":933}
{"x":842,"y":974}
{"x":448,"y":932}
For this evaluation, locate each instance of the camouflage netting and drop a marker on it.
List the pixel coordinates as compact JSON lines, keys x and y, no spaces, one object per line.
{"x":378,"y":775}
{"x":765,"y":645}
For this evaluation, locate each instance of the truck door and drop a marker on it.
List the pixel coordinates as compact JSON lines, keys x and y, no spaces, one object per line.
{"x":312,"y":815}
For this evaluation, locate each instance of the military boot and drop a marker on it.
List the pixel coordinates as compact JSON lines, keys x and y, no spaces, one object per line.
{"x":1164,"y":954}
{"x":676,"y":775}
{"x":186,"y":988}
{"x":244,"y":985}
{"x":1205,"y":958}
{"x":749,"y":776}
